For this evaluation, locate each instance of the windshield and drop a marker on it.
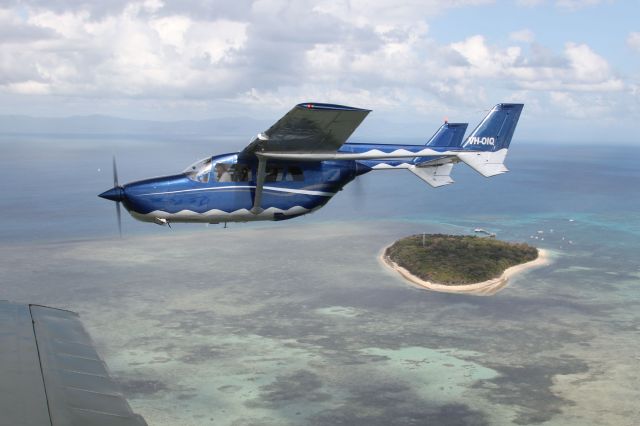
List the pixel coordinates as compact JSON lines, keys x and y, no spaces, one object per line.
{"x":219,"y":169}
{"x":199,"y":171}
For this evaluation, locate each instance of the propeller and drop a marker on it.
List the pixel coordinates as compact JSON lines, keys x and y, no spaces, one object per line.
{"x":116,"y":185}
{"x":115,"y":194}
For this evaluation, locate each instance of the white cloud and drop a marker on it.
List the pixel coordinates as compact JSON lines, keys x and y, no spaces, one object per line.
{"x":633,"y":41}
{"x":581,"y":69}
{"x":131,"y":53}
{"x":530,"y":3}
{"x":185,"y":57}
{"x":571,"y":5}
{"x":587,"y":66}
{"x":172,"y":30}
{"x":485,"y":61}
{"x":581,"y":106}
{"x":577,"y":4}
{"x":524,"y":36}
{"x":388,"y":12}
{"x":29,"y":87}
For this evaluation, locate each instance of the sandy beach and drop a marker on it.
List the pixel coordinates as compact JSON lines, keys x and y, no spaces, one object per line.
{"x":485,"y":288}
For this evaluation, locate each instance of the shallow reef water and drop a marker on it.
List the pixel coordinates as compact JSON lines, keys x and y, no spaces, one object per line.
{"x":276,"y":326}
{"x":297,"y":323}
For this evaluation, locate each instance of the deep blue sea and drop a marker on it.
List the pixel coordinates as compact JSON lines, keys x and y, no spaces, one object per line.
{"x":50,"y":187}
{"x":296,"y":322}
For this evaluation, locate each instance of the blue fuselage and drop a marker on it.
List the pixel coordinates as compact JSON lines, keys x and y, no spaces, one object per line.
{"x":179,"y":198}
{"x":203,"y":194}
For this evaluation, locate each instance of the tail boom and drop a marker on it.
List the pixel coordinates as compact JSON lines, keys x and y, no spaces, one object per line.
{"x":484,"y":150}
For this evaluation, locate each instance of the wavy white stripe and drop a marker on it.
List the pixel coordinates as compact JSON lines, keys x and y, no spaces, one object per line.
{"x":216,"y":215}
{"x":367,"y":155}
{"x":383,"y":166}
{"x":270,"y":188}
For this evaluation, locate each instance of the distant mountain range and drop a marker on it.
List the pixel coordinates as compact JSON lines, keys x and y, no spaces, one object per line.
{"x":106,"y":125}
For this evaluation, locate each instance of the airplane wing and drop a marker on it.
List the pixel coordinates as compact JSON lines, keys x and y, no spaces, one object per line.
{"x":51,"y":374}
{"x":309,"y":128}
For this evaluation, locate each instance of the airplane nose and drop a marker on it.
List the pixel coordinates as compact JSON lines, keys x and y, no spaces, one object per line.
{"x":114,"y":194}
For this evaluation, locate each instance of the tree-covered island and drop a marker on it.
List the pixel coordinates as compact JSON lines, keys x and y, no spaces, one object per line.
{"x":457,"y":259}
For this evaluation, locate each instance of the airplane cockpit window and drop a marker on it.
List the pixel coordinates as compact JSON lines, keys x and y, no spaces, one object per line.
{"x":199,"y":171}
{"x":241,"y":173}
{"x":225,"y":169}
{"x":222,"y":172}
{"x":229,"y":170}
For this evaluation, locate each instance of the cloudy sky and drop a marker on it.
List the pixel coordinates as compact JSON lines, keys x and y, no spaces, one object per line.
{"x":574,"y":63}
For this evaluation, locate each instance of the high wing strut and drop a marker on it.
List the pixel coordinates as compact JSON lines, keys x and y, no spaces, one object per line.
{"x":262,"y":169}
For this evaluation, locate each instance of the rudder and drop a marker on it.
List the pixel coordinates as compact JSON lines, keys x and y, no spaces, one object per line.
{"x":486,"y":147}
{"x":495,"y":131}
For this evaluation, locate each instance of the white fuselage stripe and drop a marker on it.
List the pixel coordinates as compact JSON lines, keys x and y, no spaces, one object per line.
{"x":270,"y":188}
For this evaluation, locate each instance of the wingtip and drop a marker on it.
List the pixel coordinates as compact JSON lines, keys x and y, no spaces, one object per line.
{"x":329,"y":107}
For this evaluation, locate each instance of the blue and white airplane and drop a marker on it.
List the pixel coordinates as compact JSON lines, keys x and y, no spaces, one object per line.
{"x":303,"y":160}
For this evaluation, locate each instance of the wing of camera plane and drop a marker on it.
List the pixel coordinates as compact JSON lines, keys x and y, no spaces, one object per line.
{"x":51,"y":373}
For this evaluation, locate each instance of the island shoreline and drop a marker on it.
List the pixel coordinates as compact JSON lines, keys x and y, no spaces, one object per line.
{"x":484,"y":288}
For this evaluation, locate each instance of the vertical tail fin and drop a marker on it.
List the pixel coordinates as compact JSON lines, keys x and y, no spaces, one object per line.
{"x":496,"y":130}
{"x":448,"y":135}
{"x":486,"y":147}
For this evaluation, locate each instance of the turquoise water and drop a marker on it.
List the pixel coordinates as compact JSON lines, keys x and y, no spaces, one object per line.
{"x":297,"y":323}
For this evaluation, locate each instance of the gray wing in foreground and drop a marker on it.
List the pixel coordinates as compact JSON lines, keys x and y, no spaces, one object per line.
{"x":51,"y":373}
{"x":309,"y":127}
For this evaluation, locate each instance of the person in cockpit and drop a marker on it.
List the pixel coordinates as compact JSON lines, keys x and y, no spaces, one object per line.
{"x":222,"y":173}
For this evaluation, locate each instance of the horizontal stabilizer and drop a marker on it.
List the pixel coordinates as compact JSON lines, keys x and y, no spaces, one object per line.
{"x":434,"y":175}
{"x":484,"y":162}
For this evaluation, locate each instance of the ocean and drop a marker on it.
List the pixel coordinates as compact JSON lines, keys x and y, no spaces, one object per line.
{"x":297,"y":323}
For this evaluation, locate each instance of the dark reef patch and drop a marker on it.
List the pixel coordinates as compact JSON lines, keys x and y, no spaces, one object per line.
{"x":133,"y":388}
{"x":301,"y":385}
{"x":529,"y":388}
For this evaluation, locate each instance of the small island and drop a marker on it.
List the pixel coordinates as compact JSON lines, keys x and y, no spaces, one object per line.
{"x":460,"y":263}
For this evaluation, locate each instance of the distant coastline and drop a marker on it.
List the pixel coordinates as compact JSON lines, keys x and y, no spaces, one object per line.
{"x":484,"y":288}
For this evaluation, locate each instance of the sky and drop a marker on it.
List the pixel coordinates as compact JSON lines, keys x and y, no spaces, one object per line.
{"x":574,"y":63}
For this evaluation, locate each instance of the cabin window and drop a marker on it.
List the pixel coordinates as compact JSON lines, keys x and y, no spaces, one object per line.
{"x":294,"y":174}
{"x":241,"y":173}
{"x":274,"y":174}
